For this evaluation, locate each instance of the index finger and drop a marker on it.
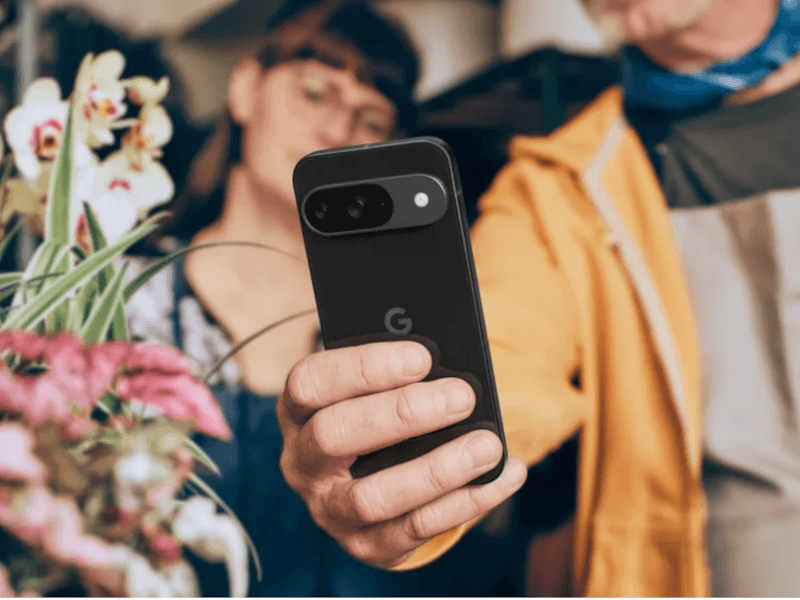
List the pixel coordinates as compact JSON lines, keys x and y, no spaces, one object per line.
{"x":332,"y":376}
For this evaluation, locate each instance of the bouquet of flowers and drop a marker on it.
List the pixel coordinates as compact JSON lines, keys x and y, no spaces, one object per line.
{"x":97,"y":464}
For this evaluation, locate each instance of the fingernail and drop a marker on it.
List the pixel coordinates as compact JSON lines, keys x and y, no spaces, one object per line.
{"x":483,"y":451}
{"x":516,"y":474}
{"x":455,"y":397}
{"x":413,"y":360}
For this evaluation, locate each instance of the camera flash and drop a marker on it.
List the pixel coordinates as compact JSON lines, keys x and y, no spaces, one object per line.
{"x":421,"y":199}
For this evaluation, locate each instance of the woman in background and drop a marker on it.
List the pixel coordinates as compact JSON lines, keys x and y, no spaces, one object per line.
{"x":331,"y":75}
{"x":328,"y":75}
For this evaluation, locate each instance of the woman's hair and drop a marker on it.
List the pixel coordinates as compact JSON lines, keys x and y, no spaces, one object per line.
{"x":341,"y":33}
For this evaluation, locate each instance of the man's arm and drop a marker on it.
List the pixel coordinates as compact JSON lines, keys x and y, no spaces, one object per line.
{"x":530,"y":317}
{"x":342,"y":403}
{"x":532,"y":330}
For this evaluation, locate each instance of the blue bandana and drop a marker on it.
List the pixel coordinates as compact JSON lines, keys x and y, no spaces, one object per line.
{"x":648,"y":85}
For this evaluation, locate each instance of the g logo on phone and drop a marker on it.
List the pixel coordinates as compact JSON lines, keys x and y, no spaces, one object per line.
{"x":398,"y":326}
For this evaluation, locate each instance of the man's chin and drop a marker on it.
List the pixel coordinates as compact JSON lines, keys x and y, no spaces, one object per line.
{"x":612,"y":28}
{"x":645,"y":21}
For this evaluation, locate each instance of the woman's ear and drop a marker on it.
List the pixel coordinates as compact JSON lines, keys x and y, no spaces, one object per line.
{"x":243,"y":89}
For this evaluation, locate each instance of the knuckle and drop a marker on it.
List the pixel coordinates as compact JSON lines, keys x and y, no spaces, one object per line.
{"x":366,"y":503}
{"x":322,"y":504}
{"x":280,"y":413}
{"x":300,"y":385}
{"x":317,"y":509}
{"x":404,"y":407}
{"x":322,"y":435}
{"x":288,"y":470}
{"x":335,"y":507}
{"x":419,"y":524}
{"x":364,"y":370}
{"x":476,"y":500}
{"x":436,"y":476}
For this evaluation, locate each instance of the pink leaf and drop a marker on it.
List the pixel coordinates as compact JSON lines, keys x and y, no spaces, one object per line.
{"x":180,"y":397}
{"x":105,"y":361}
{"x":160,"y":358}
{"x":55,"y":525}
{"x":10,"y":398}
{"x":167,"y":547}
{"x":66,"y":541}
{"x":28,"y":346}
{"x":17,"y":461}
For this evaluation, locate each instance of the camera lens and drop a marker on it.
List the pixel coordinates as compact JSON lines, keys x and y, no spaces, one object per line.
{"x":356,"y":207}
{"x":321,"y":211}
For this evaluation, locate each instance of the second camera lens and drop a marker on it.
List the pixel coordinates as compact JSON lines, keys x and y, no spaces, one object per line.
{"x":356,"y":207}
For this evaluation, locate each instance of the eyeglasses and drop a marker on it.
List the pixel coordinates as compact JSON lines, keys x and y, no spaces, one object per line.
{"x":318,"y":93}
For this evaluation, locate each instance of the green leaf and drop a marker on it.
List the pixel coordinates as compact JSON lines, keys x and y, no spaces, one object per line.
{"x":8,"y":164}
{"x":44,"y":303}
{"x":83,"y":304}
{"x":201,"y":456}
{"x":96,"y":234}
{"x":99,"y":242}
{"x":9,"y":236}
{"x":10,"y":279}
{"x":209,"y":491}
{"x":41,"y":264}
{"x":45,"y":261}
{"x":57,"y":217}
{"x":119,"y":323}
{"x":106,"y":403}
{"x":61,"y":262}
{"x":96,"y":328}
{"x":6,"y":209}
{"x":9,"y":288}
{"x":78,"y":252}
{"x":59,"y":319}
{"x":134,"y":285}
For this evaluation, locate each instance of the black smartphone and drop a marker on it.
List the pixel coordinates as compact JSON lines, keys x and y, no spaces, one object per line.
{"x":388,"y":246}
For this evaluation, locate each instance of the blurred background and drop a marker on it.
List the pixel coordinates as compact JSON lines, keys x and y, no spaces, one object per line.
{"x":491,"y":69}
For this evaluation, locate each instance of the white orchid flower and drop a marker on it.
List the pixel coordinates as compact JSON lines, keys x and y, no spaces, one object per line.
{"x":182,"y":579}
{"x":142,"y":580}
{"x":121,"y":194}
{"x":143,"y":141}
{"x":34,"y":128}
{"x":99,"y":96}
{"x":215,"y":538}
{"x":34,"y":131}
{"x":137,"y":473}
{"x":144,"y":91}
{"x":115,"y":212}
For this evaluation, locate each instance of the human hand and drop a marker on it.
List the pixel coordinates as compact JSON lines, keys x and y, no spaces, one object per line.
{"x":347,"y":402}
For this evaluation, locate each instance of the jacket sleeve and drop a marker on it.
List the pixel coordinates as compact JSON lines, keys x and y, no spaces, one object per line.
{"x":532,"y":329}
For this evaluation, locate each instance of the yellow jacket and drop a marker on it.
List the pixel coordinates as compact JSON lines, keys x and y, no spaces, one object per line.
{"x":579,"y":274}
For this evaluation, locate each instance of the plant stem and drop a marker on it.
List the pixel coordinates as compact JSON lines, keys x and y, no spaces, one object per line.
{"x":252,"y":337}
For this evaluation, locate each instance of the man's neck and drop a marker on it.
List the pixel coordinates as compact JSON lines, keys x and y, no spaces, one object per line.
{"x":782,"y":79}
{"x":728,"y":30}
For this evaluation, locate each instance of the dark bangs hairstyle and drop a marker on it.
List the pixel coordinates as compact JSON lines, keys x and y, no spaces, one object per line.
{"x":342,"y":33}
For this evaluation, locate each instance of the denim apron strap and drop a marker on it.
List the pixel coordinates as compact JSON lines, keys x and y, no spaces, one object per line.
{"x":179,"y":290}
